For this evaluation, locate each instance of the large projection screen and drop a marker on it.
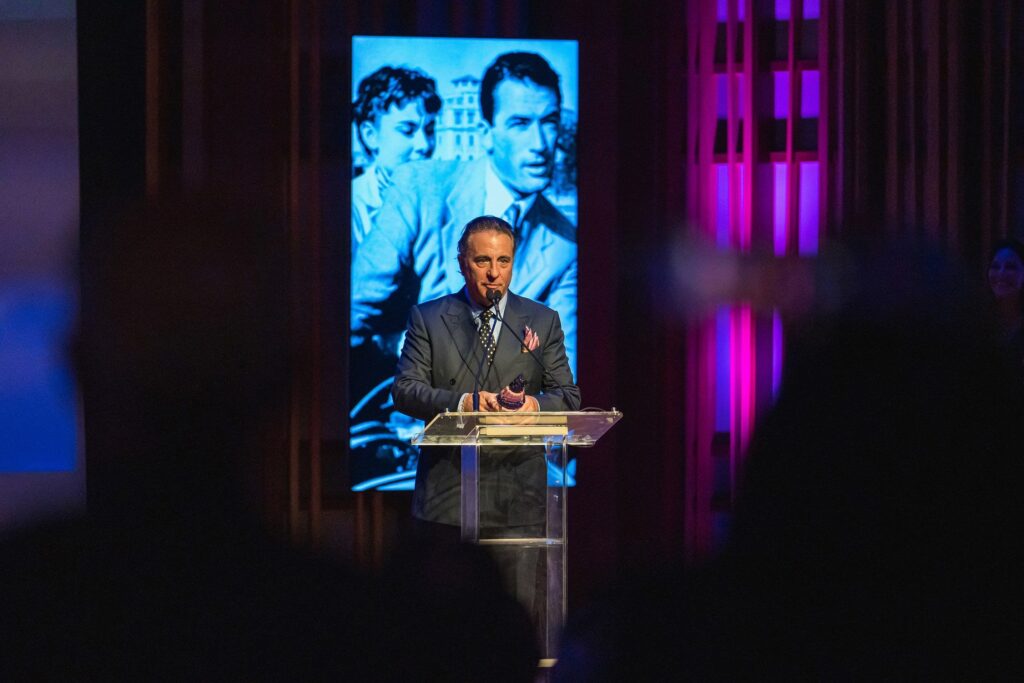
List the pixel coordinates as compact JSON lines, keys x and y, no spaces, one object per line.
{"x":420,"y":139}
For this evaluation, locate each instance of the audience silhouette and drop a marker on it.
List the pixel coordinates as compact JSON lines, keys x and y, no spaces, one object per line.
{"x":877,"y":532}
{"x":183,"y":361}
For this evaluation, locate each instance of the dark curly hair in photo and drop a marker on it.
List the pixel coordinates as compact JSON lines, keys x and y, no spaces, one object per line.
{"x":393,"y":85}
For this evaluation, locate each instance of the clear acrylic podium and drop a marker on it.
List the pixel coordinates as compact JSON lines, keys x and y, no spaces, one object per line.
{"x":521,"y":459}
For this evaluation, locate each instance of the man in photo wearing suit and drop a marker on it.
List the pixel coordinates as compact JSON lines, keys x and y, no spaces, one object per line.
{"x":410,"y":256}
{"x":454,"y":345}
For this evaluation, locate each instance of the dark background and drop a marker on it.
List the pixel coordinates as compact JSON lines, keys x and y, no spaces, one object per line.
{"x":253,"y":96}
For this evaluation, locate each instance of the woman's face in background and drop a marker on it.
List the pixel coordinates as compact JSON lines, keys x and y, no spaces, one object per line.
{"x":402,"y":133}
{"x":1006,"y":274}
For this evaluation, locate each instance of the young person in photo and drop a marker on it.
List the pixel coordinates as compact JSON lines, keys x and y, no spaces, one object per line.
{"x":394,"y":117}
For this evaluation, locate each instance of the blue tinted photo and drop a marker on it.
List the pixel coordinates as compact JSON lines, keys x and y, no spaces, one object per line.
{"x":439,"y":137}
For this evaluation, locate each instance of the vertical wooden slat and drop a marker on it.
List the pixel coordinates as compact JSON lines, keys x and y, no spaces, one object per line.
{"x":792,"y":167}
{"x":700,"y":342}
{"x":750,"y":197}
{"x":733,"y":175}
{"x":1003,"y":224}
{"x":692,"y":108}
{"x":424,"y":23}
{"x":954,"y":127}
{"x":750,"y":126}
{"x":732,"y":117}
{"x":512,"y":18}
{"x":758,"y":208}
{"x":316,"y":273}
{"x":986,"y":118}
{"x":153,"y":99}
{"x":910,"y":213}
{"x":868,"y":158}
{"x":932,"y":135}
{"x":742,"y":196}
{"x":691,"y":484}
{"x":894,"y":92}
{"x":740,"y":362}
{"x":459,"y":13}
{"x":193,"y":151}
{"x":671,"y":354}
{"x":708,"y":122}
{"x":852,"y":77}
{"x":827,"y":174}
{"x":295,"y":245}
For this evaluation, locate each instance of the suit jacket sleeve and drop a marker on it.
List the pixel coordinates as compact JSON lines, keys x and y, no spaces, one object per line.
{"x":555,"y":397}
{"x":414,"y":391}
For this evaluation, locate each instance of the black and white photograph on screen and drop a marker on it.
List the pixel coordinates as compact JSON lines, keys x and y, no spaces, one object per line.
{"x":445,"y":130}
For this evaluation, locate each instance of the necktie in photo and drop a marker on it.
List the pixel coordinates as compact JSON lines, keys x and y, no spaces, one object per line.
{"x":486,"y":339}
{"x":511,"y":216}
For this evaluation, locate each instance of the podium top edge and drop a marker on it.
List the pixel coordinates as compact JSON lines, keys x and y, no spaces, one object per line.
{"x":470,"y":413}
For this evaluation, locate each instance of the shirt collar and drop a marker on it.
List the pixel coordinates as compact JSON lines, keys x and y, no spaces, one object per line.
{"x":476,"y":309}
{"x":497,"y":197}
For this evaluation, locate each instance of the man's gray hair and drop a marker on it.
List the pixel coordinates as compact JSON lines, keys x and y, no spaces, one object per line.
{"x":483,"y":224}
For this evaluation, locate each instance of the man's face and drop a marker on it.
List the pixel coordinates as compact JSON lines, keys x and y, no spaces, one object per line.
{"x":402,"y":133}
{"x":521,"y":140}
{"x":487,"y":264}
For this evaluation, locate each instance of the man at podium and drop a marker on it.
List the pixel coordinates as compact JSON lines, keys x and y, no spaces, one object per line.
{"x":461,"y":351}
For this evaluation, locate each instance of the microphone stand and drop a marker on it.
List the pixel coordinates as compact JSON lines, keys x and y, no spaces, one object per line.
{"x":494,"y":297}
{"x":483,"y":356}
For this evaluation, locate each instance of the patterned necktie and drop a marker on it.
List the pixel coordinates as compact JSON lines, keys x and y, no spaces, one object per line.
{"x":486,"y":339}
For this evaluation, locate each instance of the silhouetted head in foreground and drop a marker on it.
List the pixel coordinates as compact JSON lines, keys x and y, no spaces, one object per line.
{"x":169,"y":575}
{"x":183,"y":359}
{"x":877,"y":530}
{"x":446,"y":616}
{"x":877,"y":520}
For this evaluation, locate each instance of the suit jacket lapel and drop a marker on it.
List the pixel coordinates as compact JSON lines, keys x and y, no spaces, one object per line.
{"x":543,"y":213}
{"x":508,"y":350}
{"x":459,"y":321}
{"x":540,"y":226}
{"x":531,"y":254}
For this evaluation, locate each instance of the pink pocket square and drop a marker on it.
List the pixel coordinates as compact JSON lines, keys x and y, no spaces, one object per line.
{"x":530,"y":340}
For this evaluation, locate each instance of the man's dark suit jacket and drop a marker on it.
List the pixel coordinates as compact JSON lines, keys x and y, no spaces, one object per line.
{"x":438,"y":363}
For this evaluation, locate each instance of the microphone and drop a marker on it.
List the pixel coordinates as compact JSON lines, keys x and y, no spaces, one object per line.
{"x":494,"y":296}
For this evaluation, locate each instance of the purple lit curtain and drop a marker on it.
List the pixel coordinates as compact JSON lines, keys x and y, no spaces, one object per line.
{"x":898,"y":117}
{"x":757,"y":179}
